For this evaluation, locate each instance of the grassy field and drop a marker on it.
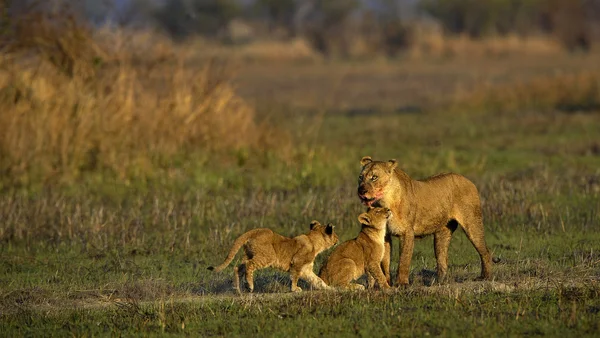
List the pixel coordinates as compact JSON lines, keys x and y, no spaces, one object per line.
{"x":122,"y":248}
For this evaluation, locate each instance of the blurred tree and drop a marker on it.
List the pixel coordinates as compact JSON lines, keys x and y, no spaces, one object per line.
{"x":480,"y":18}
{"x":326,"y":25}
{"x":395,"y":35}
{"x":182,"y":18}
{"x":279,"y":13}
{"x":98,"y":11}
{"x":137,"y":13}
{"x":4,"y":18}
{"x":569,"y":22}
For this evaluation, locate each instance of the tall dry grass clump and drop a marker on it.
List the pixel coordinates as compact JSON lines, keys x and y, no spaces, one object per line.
{"x":71,"y":103}
{"x":432,"y":42}
{"x":566,"y":93}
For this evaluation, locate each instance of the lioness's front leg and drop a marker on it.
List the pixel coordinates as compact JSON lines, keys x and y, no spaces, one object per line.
{"x":387,"y":257}
{"x":408,"y":244}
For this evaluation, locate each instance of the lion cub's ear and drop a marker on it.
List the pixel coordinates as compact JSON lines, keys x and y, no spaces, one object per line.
{"x":364,"y":219}
{"x":329,"y":229}
{"x":313,"y":224}
{"x":366,"y":160}
{"x":392,"y":164}
{"x":388,"y":213}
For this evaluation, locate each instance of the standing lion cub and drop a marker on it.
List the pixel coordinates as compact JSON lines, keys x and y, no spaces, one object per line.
{"x":363,"y":254}
{"x":436,"y":205}
{"x":263,"y":248}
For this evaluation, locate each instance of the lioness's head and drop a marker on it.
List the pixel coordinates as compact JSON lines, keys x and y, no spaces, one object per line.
{"x":326,"y":231}
{"x":375,"y":217}
{"x":373,"y":178}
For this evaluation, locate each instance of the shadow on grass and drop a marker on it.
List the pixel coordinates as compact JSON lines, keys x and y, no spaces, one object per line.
{"x":273,"y":281}
{"x":264,"y":282}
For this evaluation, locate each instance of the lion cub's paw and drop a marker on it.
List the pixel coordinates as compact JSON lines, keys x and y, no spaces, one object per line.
{"x":357,"y":287}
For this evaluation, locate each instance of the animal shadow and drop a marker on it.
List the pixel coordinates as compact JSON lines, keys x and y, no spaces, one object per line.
{"x":265,"y":281}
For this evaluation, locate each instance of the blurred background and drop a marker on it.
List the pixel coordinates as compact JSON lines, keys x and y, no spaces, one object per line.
{"x":347,"y":28}
{"x":138,"y":138}
{"x":126,"y":88}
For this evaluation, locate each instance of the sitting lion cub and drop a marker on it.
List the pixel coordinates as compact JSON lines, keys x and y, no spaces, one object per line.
{"x":263,"y":248}
{"x":363,"y":254}
{"x":435,"y":205}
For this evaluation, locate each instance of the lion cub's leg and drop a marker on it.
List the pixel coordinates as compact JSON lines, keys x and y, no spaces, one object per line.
{"x":408,"y":245}
{"x":250,"y":267}
{"x":295,"y":275}
{"x":255,"y":264}
{"x":354,"y":286}
{"x":374,"y":271}
{"x":236,"y":278}
{"x":341,"y":273}
{"x":314,"y":280}
{"x":370,"y":280}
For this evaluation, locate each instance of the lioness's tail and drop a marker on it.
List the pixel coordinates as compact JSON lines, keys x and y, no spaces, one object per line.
{"x":237,"y":244}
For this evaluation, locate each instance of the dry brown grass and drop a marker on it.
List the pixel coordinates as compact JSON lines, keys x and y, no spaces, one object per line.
{"x":71,"y":102}
{"x":568,"y":93}
{"x":435,"y":44}
{"x":429,"y":45}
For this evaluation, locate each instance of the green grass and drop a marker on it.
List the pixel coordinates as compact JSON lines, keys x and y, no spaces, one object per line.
{"x":415,"y":312}
{"x":106,"y":256}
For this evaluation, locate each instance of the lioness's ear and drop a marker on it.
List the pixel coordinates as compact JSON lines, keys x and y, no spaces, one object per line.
{"x":365,"y":160}
{"x":313,"y":224}
{"x":364,"y":219}
{"x":392,"y":164}
{"x":329,"y":229}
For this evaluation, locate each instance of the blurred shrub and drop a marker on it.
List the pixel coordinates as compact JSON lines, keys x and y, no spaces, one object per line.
{"x":566,"y":20}
{"x":67,"y":106}
{"x":183,"y":18}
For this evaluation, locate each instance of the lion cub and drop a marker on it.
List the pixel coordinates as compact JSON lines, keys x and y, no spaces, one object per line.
{"x":263,"y":248}
{"x":363,"y":254}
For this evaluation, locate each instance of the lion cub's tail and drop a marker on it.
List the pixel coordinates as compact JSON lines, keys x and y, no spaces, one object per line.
{"x":237,"y":244}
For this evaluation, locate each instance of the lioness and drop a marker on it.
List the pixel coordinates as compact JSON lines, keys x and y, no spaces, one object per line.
{"x":363,"y":254}
{"x":264,"y":248}
{"x":431,"y":206}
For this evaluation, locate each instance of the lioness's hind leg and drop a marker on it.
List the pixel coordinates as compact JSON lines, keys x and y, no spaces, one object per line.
{"x":473,"y":227}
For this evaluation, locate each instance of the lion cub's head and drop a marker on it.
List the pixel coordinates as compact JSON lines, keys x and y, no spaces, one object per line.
{"x":326,"y":231}
{"x":373,"y":178}
{"x":375,"y":217}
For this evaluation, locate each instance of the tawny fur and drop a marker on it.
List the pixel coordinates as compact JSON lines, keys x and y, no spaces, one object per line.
{"x":434,"y":205}
{"x":264,"y":248}
{"x":364,"y":254}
